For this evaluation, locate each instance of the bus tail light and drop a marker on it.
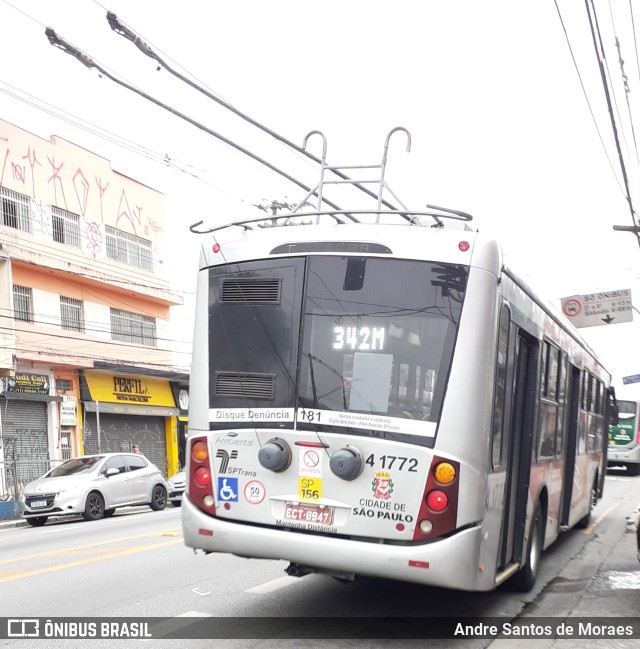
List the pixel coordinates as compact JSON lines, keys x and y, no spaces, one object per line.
{"x":439,"y":507}
{"x":200,"y":477}
{"x":638,"y":436}
{"x":437,"y":500}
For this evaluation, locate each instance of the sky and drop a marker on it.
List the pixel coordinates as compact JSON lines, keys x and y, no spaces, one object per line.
{"x":504,"y":102}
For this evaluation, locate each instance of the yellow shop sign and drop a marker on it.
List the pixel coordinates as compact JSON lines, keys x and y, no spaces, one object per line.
{"x":129,"y":389}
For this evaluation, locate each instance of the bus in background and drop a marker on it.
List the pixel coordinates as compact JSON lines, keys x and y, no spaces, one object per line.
{"x":376,"y":393}
{"x":624,"y":437}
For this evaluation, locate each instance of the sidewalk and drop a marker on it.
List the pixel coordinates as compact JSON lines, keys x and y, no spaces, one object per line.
{"x":21,"y":522}
{"x":13,"y":523}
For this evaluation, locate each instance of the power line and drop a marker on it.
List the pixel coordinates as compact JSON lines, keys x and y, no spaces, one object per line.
{"x":592,"y":20}
{"x":586,"y":96}
{"x":635,"y":40}
{"x":121,"y":28}
{"x":99,"y":278}
{"x":87,"y":61}
{"x":164,"y":159}
{"x":625,"y":82}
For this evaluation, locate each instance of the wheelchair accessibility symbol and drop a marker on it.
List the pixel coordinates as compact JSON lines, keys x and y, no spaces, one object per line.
{"x":228,"y":489}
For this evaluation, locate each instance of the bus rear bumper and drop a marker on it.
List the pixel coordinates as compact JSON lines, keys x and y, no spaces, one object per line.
{"x":448,"y":563}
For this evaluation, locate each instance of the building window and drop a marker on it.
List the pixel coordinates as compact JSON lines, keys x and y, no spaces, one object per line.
{"x":63,"y":385}
{"x":66,"y":227}
{"x":15,"y":210}
{"x":23,"y":303}
{"x":71,"y":317}
{"x":128,"y":249}
{"x":133,"y":328}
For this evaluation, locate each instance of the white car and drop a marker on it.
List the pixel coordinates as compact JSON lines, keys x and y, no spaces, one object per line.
{"x":94,"y":486}
{"x":177,"y":483}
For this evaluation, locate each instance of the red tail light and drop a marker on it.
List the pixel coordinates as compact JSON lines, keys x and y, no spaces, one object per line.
{"x":439,"y":508}
{"x":638,"y":436}
{"x":202,"y":476}
{"x":200,"y":480}
{"x":437,"y":500}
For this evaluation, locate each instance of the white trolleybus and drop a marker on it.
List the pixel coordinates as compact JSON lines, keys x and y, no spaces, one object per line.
{"x":378,"y":394}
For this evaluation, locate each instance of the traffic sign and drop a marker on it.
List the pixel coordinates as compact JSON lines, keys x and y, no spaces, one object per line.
{"x":610,"y":307}
{"x":635,"y":378}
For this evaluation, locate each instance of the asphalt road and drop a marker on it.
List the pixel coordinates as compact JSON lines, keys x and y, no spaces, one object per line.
{"x":135,"y":565}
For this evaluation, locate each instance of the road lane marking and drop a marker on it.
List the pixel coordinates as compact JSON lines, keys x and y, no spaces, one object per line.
{"x":65,"y":551}
{"x":21,"y":574}
{"x":602,"y":516}
{"x":275,"y":584}
{"x":197,"y":592}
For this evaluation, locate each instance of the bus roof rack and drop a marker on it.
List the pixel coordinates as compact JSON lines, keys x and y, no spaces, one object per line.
{"x":383,"y":208}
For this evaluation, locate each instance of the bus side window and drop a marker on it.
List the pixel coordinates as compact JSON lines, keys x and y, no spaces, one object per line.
{"x":500,"y":388}
{"x":549,"y":415}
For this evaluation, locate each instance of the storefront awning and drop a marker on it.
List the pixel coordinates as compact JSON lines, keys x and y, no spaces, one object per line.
{"x":130,"y":409}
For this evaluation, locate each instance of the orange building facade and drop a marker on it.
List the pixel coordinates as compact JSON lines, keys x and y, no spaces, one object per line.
{"x":85,"y":349}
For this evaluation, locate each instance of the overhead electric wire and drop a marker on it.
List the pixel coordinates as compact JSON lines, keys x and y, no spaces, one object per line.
{"x":121,"y":28}
{"x":606,"y":78}
{"x":164,"y":159}
{"x":635,"y":40}
{"x":625,"y":81}
{"x":86,"y":60}
{"x":586,"y":96}
{"x":611,"y":115}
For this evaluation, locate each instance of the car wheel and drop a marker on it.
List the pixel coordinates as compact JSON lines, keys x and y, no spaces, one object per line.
{"x":526,"y":577}
{"x":108,"y":513}
{"x":38,"y":521}
{"x":158,"y":498}
{"x":94,"y":508}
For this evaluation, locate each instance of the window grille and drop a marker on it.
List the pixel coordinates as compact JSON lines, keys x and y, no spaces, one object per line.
{"x":133,"y":328}
{"x":66,"y":227}
{"x":15,"y":210}
{"x":23,"y":303}
{"x":64,"y":385}
{"x":129,"y":249}
{"x":71,"y":317}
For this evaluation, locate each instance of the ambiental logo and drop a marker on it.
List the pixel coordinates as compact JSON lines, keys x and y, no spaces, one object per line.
{"x":225,"y":457}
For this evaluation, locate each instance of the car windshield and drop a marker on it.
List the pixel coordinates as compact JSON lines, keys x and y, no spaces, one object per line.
{"x":73,"y":467}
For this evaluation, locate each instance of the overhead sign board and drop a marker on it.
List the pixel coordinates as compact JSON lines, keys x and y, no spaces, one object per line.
{"x":610,"y":307}
{"x":635,"y":378}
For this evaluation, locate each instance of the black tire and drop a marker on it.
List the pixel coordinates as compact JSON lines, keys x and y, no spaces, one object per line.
{"x":176,"y":503}
{"x":158,"y":498}
{"x":526,"y":577}
{"x":94,"y":507}
{"x":38,"y":521}
{"x":633,"y":469}
{"x":583,"y":523}
{"x":108,"y":513}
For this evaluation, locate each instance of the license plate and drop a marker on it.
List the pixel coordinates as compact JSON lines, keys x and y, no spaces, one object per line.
{"x":38,"y":503}
{"x":308,"y":514}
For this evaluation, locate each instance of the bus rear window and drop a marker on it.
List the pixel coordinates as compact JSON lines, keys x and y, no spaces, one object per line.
{"x":378,"y":336}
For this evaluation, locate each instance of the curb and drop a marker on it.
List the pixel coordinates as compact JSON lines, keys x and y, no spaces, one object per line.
{"x":17,"y":523}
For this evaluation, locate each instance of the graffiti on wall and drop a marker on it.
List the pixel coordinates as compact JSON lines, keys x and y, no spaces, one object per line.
{"x":95,"y":199}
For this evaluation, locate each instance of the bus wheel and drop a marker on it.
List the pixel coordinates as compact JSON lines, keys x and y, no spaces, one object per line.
{"x":526,"y":578}
{"x":583,"y":523}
